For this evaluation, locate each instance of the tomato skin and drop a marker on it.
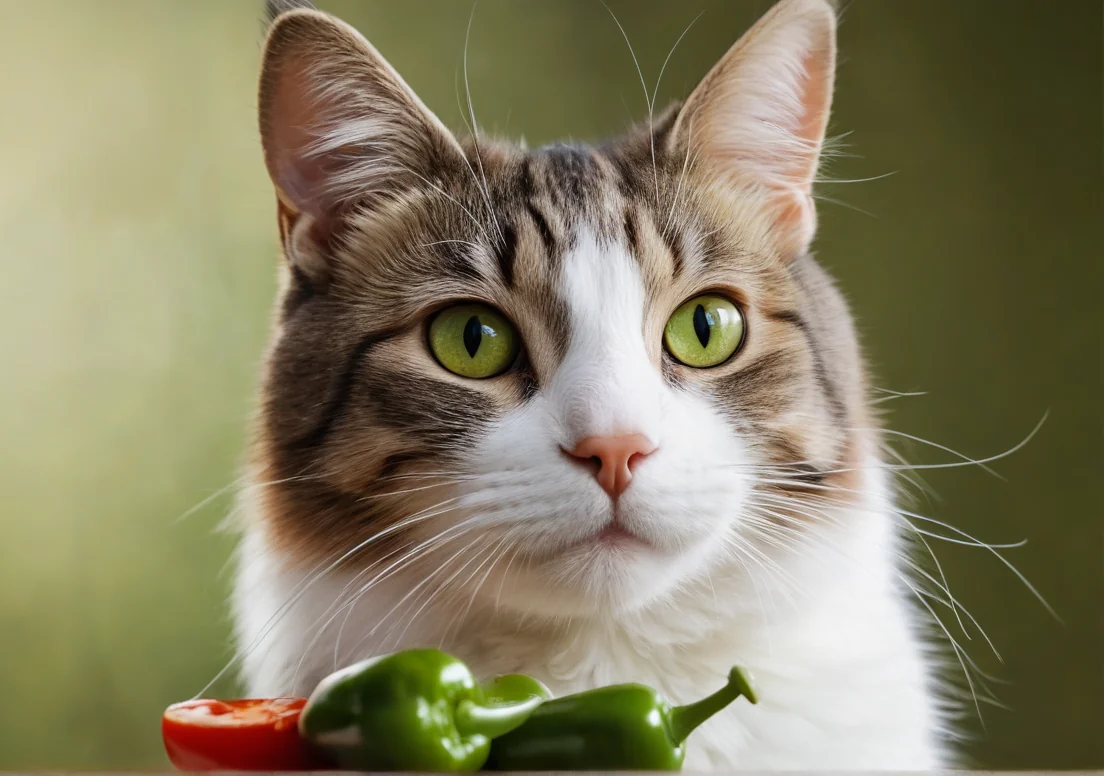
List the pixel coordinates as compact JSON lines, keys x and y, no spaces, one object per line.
{"x":239,"y":735}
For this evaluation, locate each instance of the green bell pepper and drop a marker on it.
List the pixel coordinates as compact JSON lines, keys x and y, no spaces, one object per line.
{"x":620,"y":727}
{"x":514,"y":688}
{"x":418,"y":710}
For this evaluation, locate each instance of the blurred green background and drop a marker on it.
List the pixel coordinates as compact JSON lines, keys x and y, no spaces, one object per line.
{"x":138,"y":264}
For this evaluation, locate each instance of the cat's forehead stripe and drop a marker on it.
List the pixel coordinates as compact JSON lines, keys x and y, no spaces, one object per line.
{"x":506,"y":251}
{"x":573,"y":175}
{"x":541,"y":223}
{"x":610,"y":197}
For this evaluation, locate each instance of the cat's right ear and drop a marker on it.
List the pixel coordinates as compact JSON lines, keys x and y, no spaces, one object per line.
{"x":340,"y":128}
{"x":758,"y":118}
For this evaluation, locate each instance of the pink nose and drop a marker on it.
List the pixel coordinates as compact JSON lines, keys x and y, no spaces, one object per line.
{"x":615,"y":456}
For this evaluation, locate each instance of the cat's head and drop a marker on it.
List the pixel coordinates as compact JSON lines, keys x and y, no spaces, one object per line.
{"x":589,"y":374}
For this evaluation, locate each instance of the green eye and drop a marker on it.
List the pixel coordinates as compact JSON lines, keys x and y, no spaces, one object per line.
{"x":705,"y":331}
{"x":473,"y":340}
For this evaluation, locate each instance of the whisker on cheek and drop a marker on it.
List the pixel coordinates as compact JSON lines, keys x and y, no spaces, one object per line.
{"x":494,"y":556}
{"x":405,"y":492}
{"x":442,"y":567}
{"x":816,"y":509}
{"x":309,"y":581}
{"x":406,"y":560}
{"x":408,"y":557}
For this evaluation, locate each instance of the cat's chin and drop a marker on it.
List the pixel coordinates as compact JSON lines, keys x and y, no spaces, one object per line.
{"x":610,"y":573}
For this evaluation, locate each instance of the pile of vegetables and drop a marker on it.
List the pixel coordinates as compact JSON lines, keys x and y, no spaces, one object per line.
{"x":423,"y":710}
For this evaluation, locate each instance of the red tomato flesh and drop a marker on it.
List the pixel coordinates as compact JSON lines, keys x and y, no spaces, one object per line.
{"x":239,"y":735}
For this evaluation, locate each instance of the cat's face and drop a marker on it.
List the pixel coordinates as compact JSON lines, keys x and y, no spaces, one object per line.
{"x":572,"y":378}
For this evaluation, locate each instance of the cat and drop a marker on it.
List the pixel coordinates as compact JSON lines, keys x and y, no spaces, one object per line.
{"x":592,"y":413}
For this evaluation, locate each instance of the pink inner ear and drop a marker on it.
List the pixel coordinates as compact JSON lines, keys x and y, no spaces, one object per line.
{"x":812,"y":122}
{"x":293,"y":126}
{"x":762,"y":111}
{"x":799,"y":211}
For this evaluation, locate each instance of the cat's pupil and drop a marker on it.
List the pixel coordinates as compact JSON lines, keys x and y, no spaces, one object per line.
{"x":473,"y":335}
{"x":702,"y":325}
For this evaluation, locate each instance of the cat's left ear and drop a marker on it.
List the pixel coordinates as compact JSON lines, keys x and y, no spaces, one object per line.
{"x":340,"y":128}
{"x":758,"y":118}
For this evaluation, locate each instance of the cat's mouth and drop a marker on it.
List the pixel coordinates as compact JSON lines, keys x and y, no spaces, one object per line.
{"x":615,"y":535}
{"x":613,"y":538}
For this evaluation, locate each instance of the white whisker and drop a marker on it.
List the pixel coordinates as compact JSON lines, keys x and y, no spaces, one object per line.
{"x":475,"y":133}
{"x":647,"y":97}
{"x":494,"y":556}
{"x":432,"y":592}
{"x":936,"y":445}
{"x":899,"y":393}
{"x":855,"y":180}
{"x":671,"y":53}
{"x":474,"y":246}
{"x":450,"y":198}
{"x":682,"y":178}
{"x":992,"y":549}
{"x":960,"y":654}
{"x":955,"y":605}
{"x":296,"y":595}
{"x":405,"y":561}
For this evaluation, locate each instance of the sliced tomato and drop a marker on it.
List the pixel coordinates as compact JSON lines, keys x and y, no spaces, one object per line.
{"x":239,"y":735}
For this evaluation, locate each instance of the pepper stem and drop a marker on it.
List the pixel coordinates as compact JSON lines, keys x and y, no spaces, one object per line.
{"x":492,"y":722}
{"x":685,"y":719}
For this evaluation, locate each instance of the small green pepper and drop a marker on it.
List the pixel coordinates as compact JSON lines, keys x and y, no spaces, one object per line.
{"x":418,"y":710}
{"x":514,"y":688}
{"x":620,"y":727}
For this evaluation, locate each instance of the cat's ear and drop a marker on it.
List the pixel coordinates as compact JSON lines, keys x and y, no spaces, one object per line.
{"x":338,"y":125}
{"x":273,"y":8}
{"x":758,"y":118}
